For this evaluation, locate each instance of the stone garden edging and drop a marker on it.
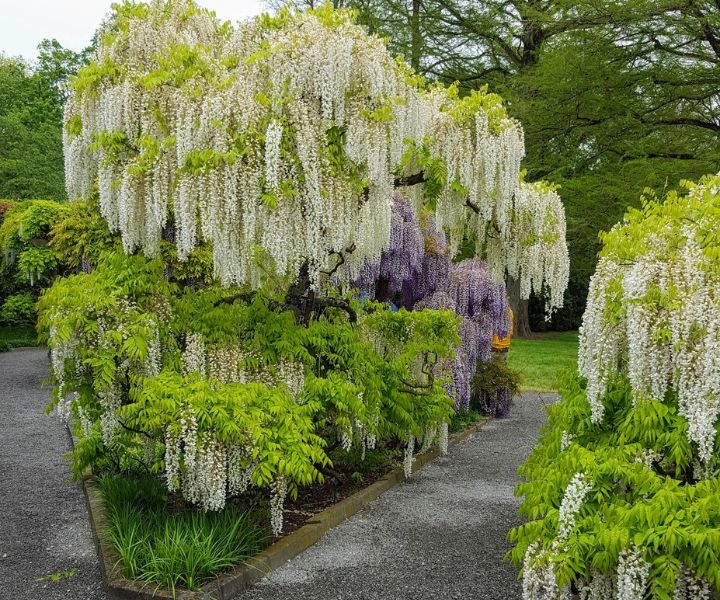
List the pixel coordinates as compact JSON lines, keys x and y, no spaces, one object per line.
{"x":229,"y":584}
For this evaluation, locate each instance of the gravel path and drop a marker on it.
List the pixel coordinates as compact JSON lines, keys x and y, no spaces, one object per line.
{"x":441,"y":536}
{"x":44,"y":526}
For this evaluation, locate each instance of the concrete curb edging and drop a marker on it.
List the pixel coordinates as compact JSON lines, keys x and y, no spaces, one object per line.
{"x":229,"y":584}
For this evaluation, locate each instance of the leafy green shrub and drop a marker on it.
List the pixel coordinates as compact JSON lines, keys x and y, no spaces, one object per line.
{"x":171,"y":547}
{"x":643,"y":493}
{"x":29,"y":222}
{"x":81,"y":235}
{"x":18,"y":309}
{"x":622,"y":495}
{"x":18,"y":336}
{"x":143,"y":363}
{"x":27,"y":260}
{"x":494,"y":386}
{"x":463,"y":419}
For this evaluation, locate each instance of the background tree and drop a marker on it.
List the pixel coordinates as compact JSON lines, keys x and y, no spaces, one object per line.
{"x":31,"y":106}
{"x":614,"y":97}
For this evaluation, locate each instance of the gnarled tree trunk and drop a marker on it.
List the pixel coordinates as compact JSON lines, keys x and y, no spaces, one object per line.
{"x":519,"y":308}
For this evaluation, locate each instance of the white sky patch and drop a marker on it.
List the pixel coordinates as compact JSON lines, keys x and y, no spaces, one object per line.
{"x":25,"y":23}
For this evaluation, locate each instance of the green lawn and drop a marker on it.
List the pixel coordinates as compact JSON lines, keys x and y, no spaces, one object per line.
{"x":16,"y":336}
{"x":542,"y":358}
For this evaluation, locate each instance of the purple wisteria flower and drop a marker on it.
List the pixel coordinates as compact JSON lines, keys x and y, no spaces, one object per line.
{"x":416,"y":272}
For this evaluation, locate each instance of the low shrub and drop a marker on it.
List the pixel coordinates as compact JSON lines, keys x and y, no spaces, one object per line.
{"x":464,"y":418}
{"x":494,"y":386}
{"x":18,"y":309}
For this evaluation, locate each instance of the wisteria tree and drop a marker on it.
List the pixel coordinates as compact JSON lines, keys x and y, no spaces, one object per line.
{"x":284,"y":138}
{"x":622,"y":494}
{"x":248,"y":173}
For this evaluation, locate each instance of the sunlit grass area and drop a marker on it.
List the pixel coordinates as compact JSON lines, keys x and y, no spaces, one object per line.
{"x":542,"y":358}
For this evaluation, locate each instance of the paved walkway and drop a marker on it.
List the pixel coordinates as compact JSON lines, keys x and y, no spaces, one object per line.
{"x":440,"y":536}
{"x":44,"y":527}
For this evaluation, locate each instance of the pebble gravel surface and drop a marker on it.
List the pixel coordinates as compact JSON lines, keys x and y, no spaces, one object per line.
{"x":439,"y":536}
{"x":44,"y":529}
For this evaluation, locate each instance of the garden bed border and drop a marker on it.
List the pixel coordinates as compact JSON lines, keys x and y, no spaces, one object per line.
{"x":242,"y":577}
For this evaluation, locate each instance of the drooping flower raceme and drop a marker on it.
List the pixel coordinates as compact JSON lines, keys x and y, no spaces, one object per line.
{"x":285,"y":135}
{"x":532,"y":248}
{"x":654,"y":305}
{"x":401,"y":262}
{"x":538,"y":575}
{"x":570,"y":505}
{"x":539,"y":582}
{"x":470,"y":290}
{"x":632,"y":575}
{"x":689,"y":587}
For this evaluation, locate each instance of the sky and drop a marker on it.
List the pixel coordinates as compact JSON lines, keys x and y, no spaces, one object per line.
{"x":24,"y":23}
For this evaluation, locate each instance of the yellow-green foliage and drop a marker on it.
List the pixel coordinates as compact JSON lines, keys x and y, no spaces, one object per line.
{"x":24,"y":239}
{"x":356,"y":379}
{"x":661,"y":508}
{"x":81,"y":234}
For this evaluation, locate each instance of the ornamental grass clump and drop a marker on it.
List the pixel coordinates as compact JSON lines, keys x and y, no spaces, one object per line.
{"x":632,"y":447}
{"x":177,"y":547}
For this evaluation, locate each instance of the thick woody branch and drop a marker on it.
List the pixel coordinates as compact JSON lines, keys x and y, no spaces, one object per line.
{"x":415,"y":179}
{"x":426,"y":368}
{"x":341,"y":259}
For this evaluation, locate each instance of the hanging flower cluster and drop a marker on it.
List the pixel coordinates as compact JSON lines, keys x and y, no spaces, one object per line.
{"x":416,"y":272}
{"x":231,"y":363}
{"x":211,"y":469}
{"x":689,"y":587}
{"x":539,"y":581}
{"x":286,"y":135}
{"x":570,"y":505}
{"x":632,"y":575}
{"x":473,"y":294}
{"x":629,"y":581}
{"x":654,"y":310}
{"x":538,"y":575}
{"x":599,"y":586}
{"x":532,"y":248}
{"x":400,"y":263}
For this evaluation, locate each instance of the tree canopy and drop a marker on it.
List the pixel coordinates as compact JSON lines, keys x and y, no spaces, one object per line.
{"x":31,"y":105}
{"x":614,"y":97}
{"x":283,"y":139}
